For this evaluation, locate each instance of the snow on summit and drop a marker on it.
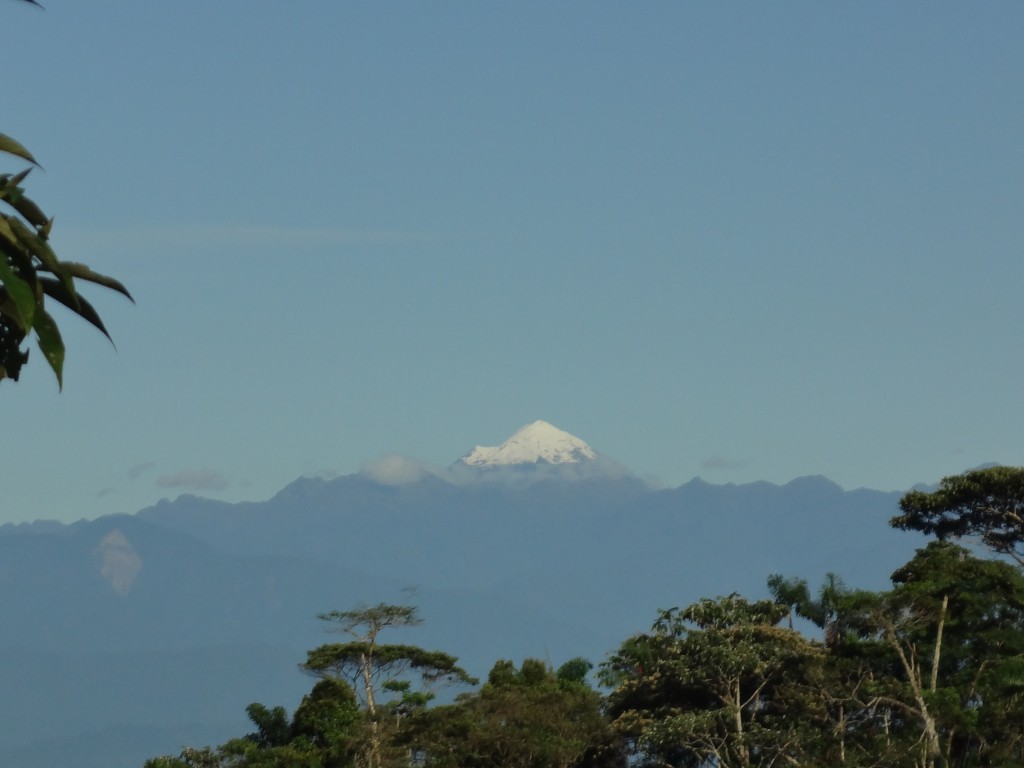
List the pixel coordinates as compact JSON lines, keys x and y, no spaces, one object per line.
{"x":538,"y":442}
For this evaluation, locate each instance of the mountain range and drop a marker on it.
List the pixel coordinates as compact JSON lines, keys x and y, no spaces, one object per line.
{"x":133,"y":635}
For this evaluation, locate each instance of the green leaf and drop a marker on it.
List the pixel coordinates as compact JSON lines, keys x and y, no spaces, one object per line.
{"x":14,"y":195}
{"x":55,"y":289}
{"x":81,"y":271}
{"x":21,"y":294}
{"x":50,"y":342}
{"x":11,"y":147}
{"x":32,"y":214}
{"x":42,"y":251}
{"x":10,"y":242}
{"x":10,"y":188}
{"x":17,"y":178}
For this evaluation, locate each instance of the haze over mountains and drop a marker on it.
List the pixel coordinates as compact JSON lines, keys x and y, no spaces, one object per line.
{"x":130,"y":636}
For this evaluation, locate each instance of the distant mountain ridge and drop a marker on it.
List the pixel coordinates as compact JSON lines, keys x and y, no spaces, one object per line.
{"x":202,"y":601}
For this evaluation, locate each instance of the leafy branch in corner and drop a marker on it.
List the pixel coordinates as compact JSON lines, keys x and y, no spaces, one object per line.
{"x":30,"y":272}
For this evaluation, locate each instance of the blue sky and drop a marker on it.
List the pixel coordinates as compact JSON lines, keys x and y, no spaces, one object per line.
{"x":740,"y":241}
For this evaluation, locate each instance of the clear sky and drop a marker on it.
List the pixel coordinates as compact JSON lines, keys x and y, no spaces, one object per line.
{"x":737,"y":240}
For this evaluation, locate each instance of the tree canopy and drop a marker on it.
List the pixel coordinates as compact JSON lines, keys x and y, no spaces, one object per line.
{"x":525,"y":717}
{"x":987,"y":503}
{"x":717,"y":682}
{"x":375,"y":668}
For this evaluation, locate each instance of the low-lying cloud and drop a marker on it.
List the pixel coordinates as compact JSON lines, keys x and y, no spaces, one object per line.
{"x":395,"y":469}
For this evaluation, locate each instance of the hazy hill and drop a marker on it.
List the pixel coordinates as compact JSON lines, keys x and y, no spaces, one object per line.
{"x":129,"y":636}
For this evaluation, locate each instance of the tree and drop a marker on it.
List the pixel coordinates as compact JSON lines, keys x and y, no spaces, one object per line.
{"x":323,"y":733}
{"x":190,"y":757}
{"x":376,"y":669}
{"x":530,"y":717}
{"x":330,"y":719}
{"x":954,"y":619}
{"x":30,"y":272}
{"x":841,"y":685}
{"x":988,"y":503}
{"x":716,"y":683}
{"x":352,"y":716}
{"x":923,"y":674}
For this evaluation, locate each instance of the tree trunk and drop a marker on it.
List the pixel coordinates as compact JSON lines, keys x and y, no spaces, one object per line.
{"x":938,"y":644}
{"x":741,"y":748}
{"x":932,"y":745}
{"x":373,"y":758}
{"x":842,"y":734}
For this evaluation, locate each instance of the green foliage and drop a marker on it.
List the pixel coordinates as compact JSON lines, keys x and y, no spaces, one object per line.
{"x":377,"y":669}
{"x":368,"y":664}
{"x":190,"y":758}
{"x":30,"y":272}
{"x":165,"y":761}
{"x":574,"y":671}
{"x":962,"y":614}
{"x":348,"y":661}
{"x":717,"y":682}
{"x":373,"y":619}
{"x":915,"y":675}
{"x":325,"y":732}
{"x":272,"y":726}
{"x":530,"y":717}
{"x":330,"y":719}
{"x":988,"y":503}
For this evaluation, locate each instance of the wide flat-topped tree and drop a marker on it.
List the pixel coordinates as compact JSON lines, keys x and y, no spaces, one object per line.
{"x":986,"y":503}
{"x":374,"y":668}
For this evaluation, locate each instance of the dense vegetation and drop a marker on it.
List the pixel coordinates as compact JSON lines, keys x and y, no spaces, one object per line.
{"x":927,"y":674}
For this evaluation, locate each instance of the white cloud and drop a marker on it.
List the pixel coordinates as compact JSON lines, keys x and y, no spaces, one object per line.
{"x":523,"y":475}
{"x":394,"y":469}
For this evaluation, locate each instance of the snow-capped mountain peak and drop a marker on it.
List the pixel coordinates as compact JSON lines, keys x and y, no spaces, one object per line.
{"x":535,"y":443}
